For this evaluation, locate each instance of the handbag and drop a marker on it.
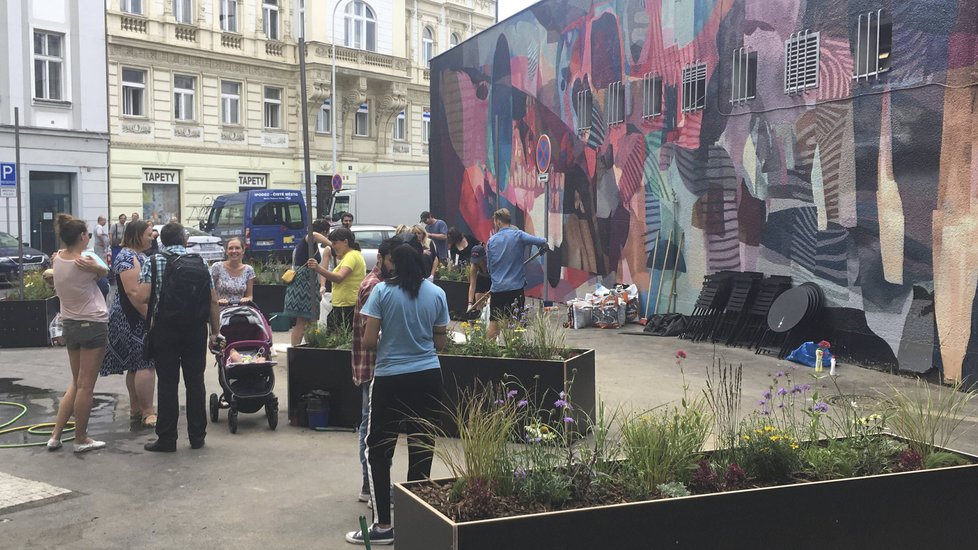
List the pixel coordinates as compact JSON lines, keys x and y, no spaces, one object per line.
{"x":288,"y":276}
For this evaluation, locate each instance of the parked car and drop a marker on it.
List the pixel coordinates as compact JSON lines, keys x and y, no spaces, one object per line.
{"x":210,"y":248}
{"x":370,"y":237}
{"x":34,"y":259}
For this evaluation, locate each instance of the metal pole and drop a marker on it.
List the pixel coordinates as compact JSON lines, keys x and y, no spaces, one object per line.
{"x":8,"y":215}
{"x":332,"y":95}
{"x":20,"y":215}
{"x":546,"y":235}
{"x":658,"y":292}
{"x":655,"y":254}
{"x":673,"y":297}
{"x":305,"y":141}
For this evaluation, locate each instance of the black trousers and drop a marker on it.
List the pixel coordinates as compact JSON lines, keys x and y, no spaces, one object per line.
{"x":395,"y":404}
{"x":175,"y":350}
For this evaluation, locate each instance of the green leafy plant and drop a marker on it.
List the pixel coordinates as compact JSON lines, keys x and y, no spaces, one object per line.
{"x":449,"y":272}
{"x":528,"y":335}
{"x":930,"y":419}
{"x":329,"y":338}
{"x":34,"y":288}
{"x":767,"y":453}
{"x":269,"y":272}
{"x":672,"y":490}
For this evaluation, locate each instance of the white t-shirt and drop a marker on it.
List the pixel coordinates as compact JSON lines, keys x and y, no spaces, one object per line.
{"x":101,"y":237}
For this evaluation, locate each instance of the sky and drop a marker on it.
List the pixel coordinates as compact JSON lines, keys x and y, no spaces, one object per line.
{"x":509,"y":7}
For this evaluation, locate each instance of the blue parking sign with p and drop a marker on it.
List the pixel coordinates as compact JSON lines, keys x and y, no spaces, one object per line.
{"x":8,"y":180}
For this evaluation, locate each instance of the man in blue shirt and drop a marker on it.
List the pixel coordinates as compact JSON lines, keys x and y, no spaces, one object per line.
{"x":506,"y":251}
{"x":438,"y":231}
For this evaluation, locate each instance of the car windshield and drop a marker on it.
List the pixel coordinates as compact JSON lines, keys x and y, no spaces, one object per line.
{"x":370,"y":239}
{"x":7,"y":240}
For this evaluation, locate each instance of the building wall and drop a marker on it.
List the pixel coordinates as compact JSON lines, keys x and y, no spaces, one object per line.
{"x":865,"y":187}
{"x":68,"y":136}
{"x":208,"y":155}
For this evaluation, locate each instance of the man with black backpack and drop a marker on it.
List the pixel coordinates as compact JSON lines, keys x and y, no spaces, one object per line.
{"x":177,"y":296}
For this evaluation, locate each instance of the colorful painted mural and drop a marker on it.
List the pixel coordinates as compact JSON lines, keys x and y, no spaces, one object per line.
{"x":867,"y":187}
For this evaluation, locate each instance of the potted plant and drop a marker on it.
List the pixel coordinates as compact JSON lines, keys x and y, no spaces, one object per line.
{"x":324,"y":363}
{"x":532,"y":355}
{"x":268,"y":292}
{"x":25,"y":322}
{"x":454,"y":280}
{"x":834,"y":475}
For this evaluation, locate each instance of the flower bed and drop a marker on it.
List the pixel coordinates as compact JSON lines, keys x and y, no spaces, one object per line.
{"x":25,"y":323}
{"x":325,"y":363}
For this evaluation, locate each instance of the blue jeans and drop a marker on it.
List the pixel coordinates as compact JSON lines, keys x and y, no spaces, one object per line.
{"x":365,"y":411}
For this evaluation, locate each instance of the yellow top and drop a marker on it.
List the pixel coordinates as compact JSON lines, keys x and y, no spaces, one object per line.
{"x":345,"y":293}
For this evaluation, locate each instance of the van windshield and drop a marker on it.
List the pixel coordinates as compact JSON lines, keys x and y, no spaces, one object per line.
{"x":230,"y":216}
{"x":288,"y":214}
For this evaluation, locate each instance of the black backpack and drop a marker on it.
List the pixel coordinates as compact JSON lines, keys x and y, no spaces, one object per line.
{"x":185,"y":297}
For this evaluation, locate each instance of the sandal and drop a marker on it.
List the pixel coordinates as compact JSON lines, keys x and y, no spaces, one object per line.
{"x":135,"y":417}
{"x":149,"y":421}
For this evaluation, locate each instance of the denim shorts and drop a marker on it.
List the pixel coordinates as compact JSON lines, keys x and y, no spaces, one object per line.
{"x":85,"y":334}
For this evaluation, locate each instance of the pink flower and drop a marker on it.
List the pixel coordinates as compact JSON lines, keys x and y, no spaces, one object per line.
{"x":824,"y":344}
{"x":681,"y":354}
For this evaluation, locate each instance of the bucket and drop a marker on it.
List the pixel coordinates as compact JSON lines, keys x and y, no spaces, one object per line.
{"x":317,"y":410}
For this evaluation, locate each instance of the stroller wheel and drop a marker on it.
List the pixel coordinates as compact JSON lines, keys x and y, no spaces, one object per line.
{"x":233,"y":420}
{"x":215,"y":407}
{"x":271,"y":412}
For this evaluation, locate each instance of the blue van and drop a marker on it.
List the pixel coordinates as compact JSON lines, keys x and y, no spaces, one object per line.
{"x":270,"y":220}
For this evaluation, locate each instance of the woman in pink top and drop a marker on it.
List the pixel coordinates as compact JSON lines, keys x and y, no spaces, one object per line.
{"x":85,"y":320}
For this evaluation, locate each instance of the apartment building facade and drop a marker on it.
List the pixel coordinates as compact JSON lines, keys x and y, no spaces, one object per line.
{"x":52,"y":55}
{"x":204,"y":95}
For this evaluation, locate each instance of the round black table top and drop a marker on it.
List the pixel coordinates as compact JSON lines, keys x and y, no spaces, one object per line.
{"x":789,"y":309}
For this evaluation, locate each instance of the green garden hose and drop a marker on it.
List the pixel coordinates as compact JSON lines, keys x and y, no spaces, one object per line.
{"x":33,"y":429}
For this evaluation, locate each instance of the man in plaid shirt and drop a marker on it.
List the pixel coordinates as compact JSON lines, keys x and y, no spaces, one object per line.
{"x":364,"y":360}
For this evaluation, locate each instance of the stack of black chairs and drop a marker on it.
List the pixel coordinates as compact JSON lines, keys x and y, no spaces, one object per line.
{"x":710,"y":305}
{"x":755,"y":324}
{"x":735,"y":314}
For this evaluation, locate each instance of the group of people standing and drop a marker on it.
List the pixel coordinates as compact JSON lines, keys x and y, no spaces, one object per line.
{"x":106,"y":340}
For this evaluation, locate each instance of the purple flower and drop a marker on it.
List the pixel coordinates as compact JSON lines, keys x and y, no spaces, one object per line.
{"x":498,"y":402}
{"x":762,"y":402}
{"x":511,"y":394}
{"x":779,"y":374}
{"x":821,"y":407}
{"x":782,"y":392}
{"x":563,"y":395}
{"x":568,"y":420}
{"x":519,"y":473}
{"x":522,"y":403}
{"x":765,"y":412}
{"x":562,"y":404}
{"x":806,"y":387}
{"x":796,"y":389}
{"x":767,"y":395}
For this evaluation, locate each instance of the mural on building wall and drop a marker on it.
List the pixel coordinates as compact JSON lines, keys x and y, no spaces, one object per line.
{"x":865,"y":186}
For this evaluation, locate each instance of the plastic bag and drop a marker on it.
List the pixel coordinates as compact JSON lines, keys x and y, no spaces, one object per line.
{"x":805,"y":355}
{"x":325,"y":306}
{"x":578,"y":314}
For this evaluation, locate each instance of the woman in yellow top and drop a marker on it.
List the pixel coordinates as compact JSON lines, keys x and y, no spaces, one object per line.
{"x":346,"y":277}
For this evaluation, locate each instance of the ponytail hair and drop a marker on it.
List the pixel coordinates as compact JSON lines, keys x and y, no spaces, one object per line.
{"x":344,"y":234}
{"x":69,"y":229}
{"x":409,"y":269}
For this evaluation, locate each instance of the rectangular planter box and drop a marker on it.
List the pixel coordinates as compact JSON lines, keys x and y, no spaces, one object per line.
{"x":923,"y":509}
{"x":325,"y":369}
{"x":457,"y":294}
{"x":24,"y":324}
{"x":546,"y":378}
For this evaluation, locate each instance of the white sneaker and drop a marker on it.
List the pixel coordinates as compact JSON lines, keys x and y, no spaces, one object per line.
{"x":54,"y":444}
{"x":85,"y":447}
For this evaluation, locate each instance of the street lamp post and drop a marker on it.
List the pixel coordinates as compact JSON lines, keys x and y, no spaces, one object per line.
{"x":305,"y":137}
{"x":332,"y":94}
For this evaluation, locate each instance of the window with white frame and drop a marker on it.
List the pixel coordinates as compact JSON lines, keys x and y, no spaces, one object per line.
{"x":694,"y":87}
{"x":651,"y":95}
{"x":324,"y":119}
{"x":183,"y":11}
{"x":361,"y":121}
{"x":801,"y":62}
{"x":270,"y":13}
{"x":360,"y":26}
{"x":582,"y":104}
{"x":426,"y":125}
{"x":133,"y":92}
{"x":427,"y":46}
{"x":49,"y":58}
{"x":399,"y":127}
{"x":453,"y":41}
{"x":184,"y":91}
{"x":616,"y":103}
{"x":874,"y":42}
{"x":273,"y":107}
{"x":229,"y":15}
{"x":230,"y":102}
{"x":743,"y":76}
{"x":131,"y":6}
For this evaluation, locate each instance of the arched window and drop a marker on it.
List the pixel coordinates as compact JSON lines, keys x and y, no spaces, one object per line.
{"x":454,"y":41}
{"x":361,"y":26}
{"x":427,"y":46}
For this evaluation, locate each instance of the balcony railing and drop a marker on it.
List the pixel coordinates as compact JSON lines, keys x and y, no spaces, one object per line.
{"x":426,"y":74}
{"x":274,"y":48}
{"x":186,"y":32}
{"x":133,"y":24}
{"x":229,"y":40}
{"x":359,"y":57}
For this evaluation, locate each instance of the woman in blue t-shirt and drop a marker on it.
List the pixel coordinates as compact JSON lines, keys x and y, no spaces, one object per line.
{"x":412,"y":314}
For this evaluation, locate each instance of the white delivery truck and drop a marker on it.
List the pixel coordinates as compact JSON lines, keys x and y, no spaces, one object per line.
{"x":384,"y":198}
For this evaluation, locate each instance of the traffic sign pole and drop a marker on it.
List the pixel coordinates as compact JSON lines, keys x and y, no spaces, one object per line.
{"x":543,"y":166}
{"x":20,"y":214}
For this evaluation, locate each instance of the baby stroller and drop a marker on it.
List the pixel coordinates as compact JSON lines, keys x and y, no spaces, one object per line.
{"x":248,"y":383}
